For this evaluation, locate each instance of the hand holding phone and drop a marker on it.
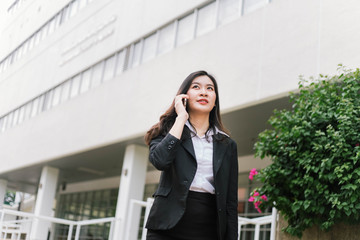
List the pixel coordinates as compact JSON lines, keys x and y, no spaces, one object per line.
{"x":180,"y":102}
{"x":184,"y":101}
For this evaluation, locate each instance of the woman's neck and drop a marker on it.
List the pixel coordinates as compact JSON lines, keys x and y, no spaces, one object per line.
{"x":200,"y":123}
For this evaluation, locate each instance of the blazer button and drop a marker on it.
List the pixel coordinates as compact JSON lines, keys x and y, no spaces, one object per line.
{"x":169,"y":147}
{"x":172,"y":142}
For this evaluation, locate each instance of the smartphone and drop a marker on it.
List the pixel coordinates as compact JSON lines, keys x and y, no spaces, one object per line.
{"x":184,"y":101}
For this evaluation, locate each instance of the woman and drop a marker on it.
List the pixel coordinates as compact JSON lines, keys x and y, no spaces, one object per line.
{"x":197,"y":194}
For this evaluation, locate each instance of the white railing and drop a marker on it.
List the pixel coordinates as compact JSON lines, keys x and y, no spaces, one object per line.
{"x":134,"y":203}
{"x":271,"y":219}
{"x":10,"y":227}
{"x":16,"y":227}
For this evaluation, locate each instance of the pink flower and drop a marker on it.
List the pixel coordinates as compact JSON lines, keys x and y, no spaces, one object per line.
{"x":264,"y":197}
{"x":257,"y":204}
{"x":256,"y":194}
{"x":253,"y":172}
{"x":251,"y":199}
{"x":358,"y":144}
{"x":259,"y":210}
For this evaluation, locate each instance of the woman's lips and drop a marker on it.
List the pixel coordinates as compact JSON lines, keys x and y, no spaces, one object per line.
{"x":202,"y":101}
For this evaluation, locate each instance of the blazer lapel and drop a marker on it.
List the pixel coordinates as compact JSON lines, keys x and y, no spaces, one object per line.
{"x":187,"y":142}
{"x":219,"y":150}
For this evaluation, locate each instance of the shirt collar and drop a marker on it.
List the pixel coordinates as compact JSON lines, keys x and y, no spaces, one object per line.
{"x":209,"y":133}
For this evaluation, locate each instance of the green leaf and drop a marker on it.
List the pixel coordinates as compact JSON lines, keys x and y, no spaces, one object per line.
{"x":314,"y":176}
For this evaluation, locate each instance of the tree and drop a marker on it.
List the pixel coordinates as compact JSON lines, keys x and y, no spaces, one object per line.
{"x":9,"y":198}
{"x":314,"y":177}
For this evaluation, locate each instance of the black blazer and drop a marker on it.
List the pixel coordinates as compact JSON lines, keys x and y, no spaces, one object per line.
{"x":176,"y":159}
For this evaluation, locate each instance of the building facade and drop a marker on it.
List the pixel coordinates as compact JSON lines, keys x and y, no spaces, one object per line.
{"x":82,"y":81}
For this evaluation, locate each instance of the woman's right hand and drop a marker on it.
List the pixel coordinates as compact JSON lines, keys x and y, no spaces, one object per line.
{"x":180,"y":108}
{"x":182,"y":116}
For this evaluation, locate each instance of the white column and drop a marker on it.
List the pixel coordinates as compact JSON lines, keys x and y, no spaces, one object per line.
{"x":3,"y":184}
{"x":132,"y":183}
{"x":44,"y":202}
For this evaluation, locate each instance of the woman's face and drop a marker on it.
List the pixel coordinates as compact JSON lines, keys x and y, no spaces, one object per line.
{"x":202,"y":95}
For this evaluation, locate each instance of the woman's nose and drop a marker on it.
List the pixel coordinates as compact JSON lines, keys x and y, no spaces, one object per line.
{"x":203,"y":92}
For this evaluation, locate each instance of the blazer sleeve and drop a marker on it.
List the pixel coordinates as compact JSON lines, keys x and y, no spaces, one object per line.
{"x":163,"y":151}
{"x":232,"y":198}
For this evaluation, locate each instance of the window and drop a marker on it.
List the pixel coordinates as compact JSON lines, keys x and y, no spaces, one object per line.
{"x":51,"y":24}
{"x":43,"y":32}
{"x":251,"y":5}
{"x":4,"y":122}
{"x":73,"y":7}
{"x":65,"y":91}
{"x":97,"y":74}
{"x":11,"y":58}
{"x":16,"y":56}
{"x":19,"y":51}
{"x":41,"y":103}
{"x":120,"y":62}
{"x":10,"y":120}
{"x":48,"y":99}
{"x":65,"y":13}
{"x":31,"y":42}
{"x":16,"y":117}
{"x":86,"y":80}
{"x":206,"y":19}
{"x":21,"y":114}
{"x":28,"y":108}
{"x":37,"y":38}
{"x":58,"y":20}
{"x":35,"y":108}
{"x":87,"y":205}
{"x":6,"y":63}
{"x":135,"y":54}
{"x":166,"y":38}
{"x":25,"y":47}
{"x":56,"y":96}
{"x":149,"y":47}
{"x":75,"y":85}
{"x":228,"y":9}
{"x":1,"y":124}
{"x":109,"y":68}
{"x":186,"y":29}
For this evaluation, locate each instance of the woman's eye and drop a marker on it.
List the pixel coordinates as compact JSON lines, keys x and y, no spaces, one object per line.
{"x":195,"y":86}
{"x":210,"y":88}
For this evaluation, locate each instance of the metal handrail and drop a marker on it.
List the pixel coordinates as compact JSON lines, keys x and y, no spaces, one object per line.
{"x":72,"y":224}
{"x":147,"y":206}
{"x":271,"y":219}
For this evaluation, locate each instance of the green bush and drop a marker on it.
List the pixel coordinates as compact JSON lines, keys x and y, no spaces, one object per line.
{"x":314,"y":178}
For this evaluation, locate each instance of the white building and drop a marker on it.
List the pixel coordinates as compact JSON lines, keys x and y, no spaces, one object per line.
{"x":81,"y":82}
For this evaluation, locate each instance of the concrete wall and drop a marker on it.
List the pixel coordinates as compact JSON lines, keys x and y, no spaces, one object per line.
{"x":257,"y":56}
{"x":339,"y":231}
{"x":28,"y":77}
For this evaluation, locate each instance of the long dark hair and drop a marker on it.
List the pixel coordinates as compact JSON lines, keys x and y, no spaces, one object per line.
{"x":168,"y":118}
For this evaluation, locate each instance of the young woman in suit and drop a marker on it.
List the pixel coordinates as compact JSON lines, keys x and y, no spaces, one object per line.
{"x":197,"y":194}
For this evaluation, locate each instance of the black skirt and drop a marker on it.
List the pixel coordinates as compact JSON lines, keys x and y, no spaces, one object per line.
{"x":197,"y":223}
